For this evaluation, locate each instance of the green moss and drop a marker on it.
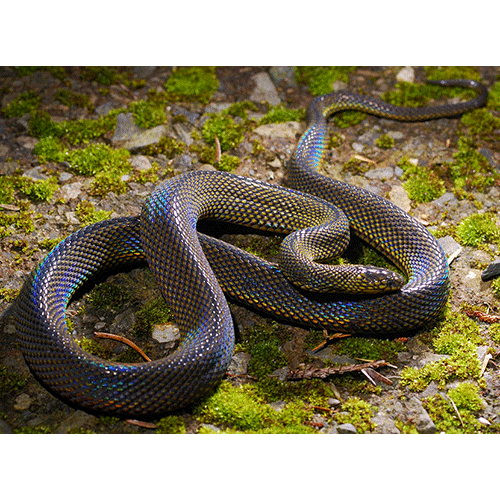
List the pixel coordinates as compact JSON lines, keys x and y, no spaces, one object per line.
{"x":349,"y":118}
{"x":241,"y":409}
{"x":421,"y":184}
{"x":495,"y":286}
{"x":41,"y":125}
{"x":108,"y":296}
{"x":148,"y":114}
{"x":494,"y":330}
{"x":280,"y":113}
{"x":7,"y":189}
{"x":321,"y":78}
{"x":87,"y":213}
{"x":357,"y":412}
{"x":494,"y":96}
{"x":97,"y":158}
{"x":368,"y":348}
{"x":470,"y":168}
{"x":241,"y":109}
{"x":466,"y":397}
{"x":229,"y":133}
{"x":24,"y":103}
{"x":481,"y":123}
{"x":10,"y":381}
{"x":93,"y":347}
{"x":385,"y":141}
{"x":8,"y":294}
{"x":38,"y":429}
{"x":192,"y":84}
{"x":167,"y":146}
{"x":172,"y":424}
{"x":144,"y":176}
{"x":228,"y":162}
{"x":105,"y":182}
{"x":49,"y":149}
{"x":37,"y":190}
{"x":407,"y":94}
{"x":104,"y":75}
{"x":84,"y":130}
{"x":458,"y":337}
{"x":478,"y":229}
{"x":154,"y":312}
{"x":70,"y":98}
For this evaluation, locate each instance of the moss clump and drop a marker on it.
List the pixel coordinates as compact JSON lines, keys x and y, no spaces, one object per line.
{"x":70,"y":98}
{"x":167,"y":146}
{"x":385,"y":141}
{"x":228,"y":162}
{"x":192,"y":84}
{"x":458,"y":337}
{"x":108,"y":296}
{"x":495,"y":286}
{"x":321,"y":78}
{"x":148,"y":114}
{"x":494,"y":96}
{"x":49,"y":149}
{"x":468,"y":403}
{"x":478,"y":229}
{"x":481,"y":123}
{"x":37,"y":190}
{"x":241,"y":409}
{"x":494,"y":331}
{"x":421,"y":184}
{"x":8,"y":294}
{"x":95,"y":348}
{"x":357,"y":412}
{"x":7,"y":189}
{"x":368,"y":348}
{"x":229,"y":133}
{"x":172,"y":424}
{"x":348,"y":118}
{"x":241,"y":109}
{"x":104,"y":182}
{"x":278,"y":114}
{"x":154,"y":312}
{"x":84,"y":130}
{"x":10,"y":382}
{"x":97,"y":158}
{"x":41,"y":125}
{"x":24,"y":103}
{"x":407,"y":94}
{"x":87,"y":213}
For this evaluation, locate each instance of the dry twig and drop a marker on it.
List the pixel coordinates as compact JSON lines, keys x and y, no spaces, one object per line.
{"x":309,"y":373}
{"x":119,"y":338}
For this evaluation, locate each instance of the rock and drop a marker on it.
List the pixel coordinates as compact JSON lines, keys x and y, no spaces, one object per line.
{"x":130,"y":136}
{"x":5,"y":428}
{"x":23,"y":402}
{"x":140,"y":162}
{"x":449,"y":245}
{"x":399,"y":197}
{"x":123,"y":322}
{"x":381,"y":173}
{"x":65,"y":176}
{"x":264,"y":91}
{"x":70,"y":191}
{"x":384,"y":424}
{"x":286,"y":130}
{"x":407,"y":74}
{"x":283,"y":75}
{"x":419,"y":417}
{"x":166,"y":333}
{"x":239,"y":364}
{"x":36,"y":173}
{"x":333,"y":402}
{"x":75,"y":421}
{"x":4,"y":150}
{"x":346,"y":429}
{"x":141,"y":72}
{"x":183,"y":163}
{"x":104,"y":109}
{"x":27,"y":142}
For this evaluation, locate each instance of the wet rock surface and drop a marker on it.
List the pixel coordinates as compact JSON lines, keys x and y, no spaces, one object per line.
{"x":25,"y":406}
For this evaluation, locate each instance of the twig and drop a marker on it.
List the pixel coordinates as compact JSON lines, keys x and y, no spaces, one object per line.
{"x":140,"y":423}
{"x":329,"y":339}
{"x":217,"y":149}
{"x":370,"y":372}
{"x":334,"y":370}
{"x":125,"y":341}
{"x":486,"y":360}
{"x":456,"y":410}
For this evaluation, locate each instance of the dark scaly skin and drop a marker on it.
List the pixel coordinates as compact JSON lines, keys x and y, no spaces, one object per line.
{"x":192,"y":282}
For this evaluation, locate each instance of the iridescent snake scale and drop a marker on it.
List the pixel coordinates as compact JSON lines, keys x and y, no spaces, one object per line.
{"x":194,"y":272}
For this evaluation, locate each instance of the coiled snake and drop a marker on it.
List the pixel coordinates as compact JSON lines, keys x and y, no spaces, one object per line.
{"x":193,"y":270}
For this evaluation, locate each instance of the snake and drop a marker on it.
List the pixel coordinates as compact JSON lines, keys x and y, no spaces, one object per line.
{"x":198,"y":273}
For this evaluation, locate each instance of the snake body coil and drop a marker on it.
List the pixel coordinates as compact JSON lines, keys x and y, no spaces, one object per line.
{"x":193,"y":270}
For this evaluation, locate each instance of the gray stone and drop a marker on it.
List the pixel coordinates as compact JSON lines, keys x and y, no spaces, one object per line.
{"x":346,"y":429}
{"x":183,"y":163}
{"x":381,"y":173}
{"x":141,"y":72}
{"x":140,"y":162}
{"x":283,"y":75}
{"x":23,"y":402}
{"x":449,"y":245}
{"x":104,"y":109}
{"x":123,"y":322}
{"x":36,"y":173}
{"x":65,"y":176}
{"x":407,"y":74}
{"x":264,"y":91}
{"x":384,"y":424}
{"x":70,"y":191}
{"x":399,"y":197}
{"x":239,"y":364}
{"x":167,"y":333}
{"x":75,"y":421}
{"x":130,"y":136}
{"x":27,"y":142}
{"x":419,"y":417}
{"x":286,"y":130}
{"x":5,"y":428}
